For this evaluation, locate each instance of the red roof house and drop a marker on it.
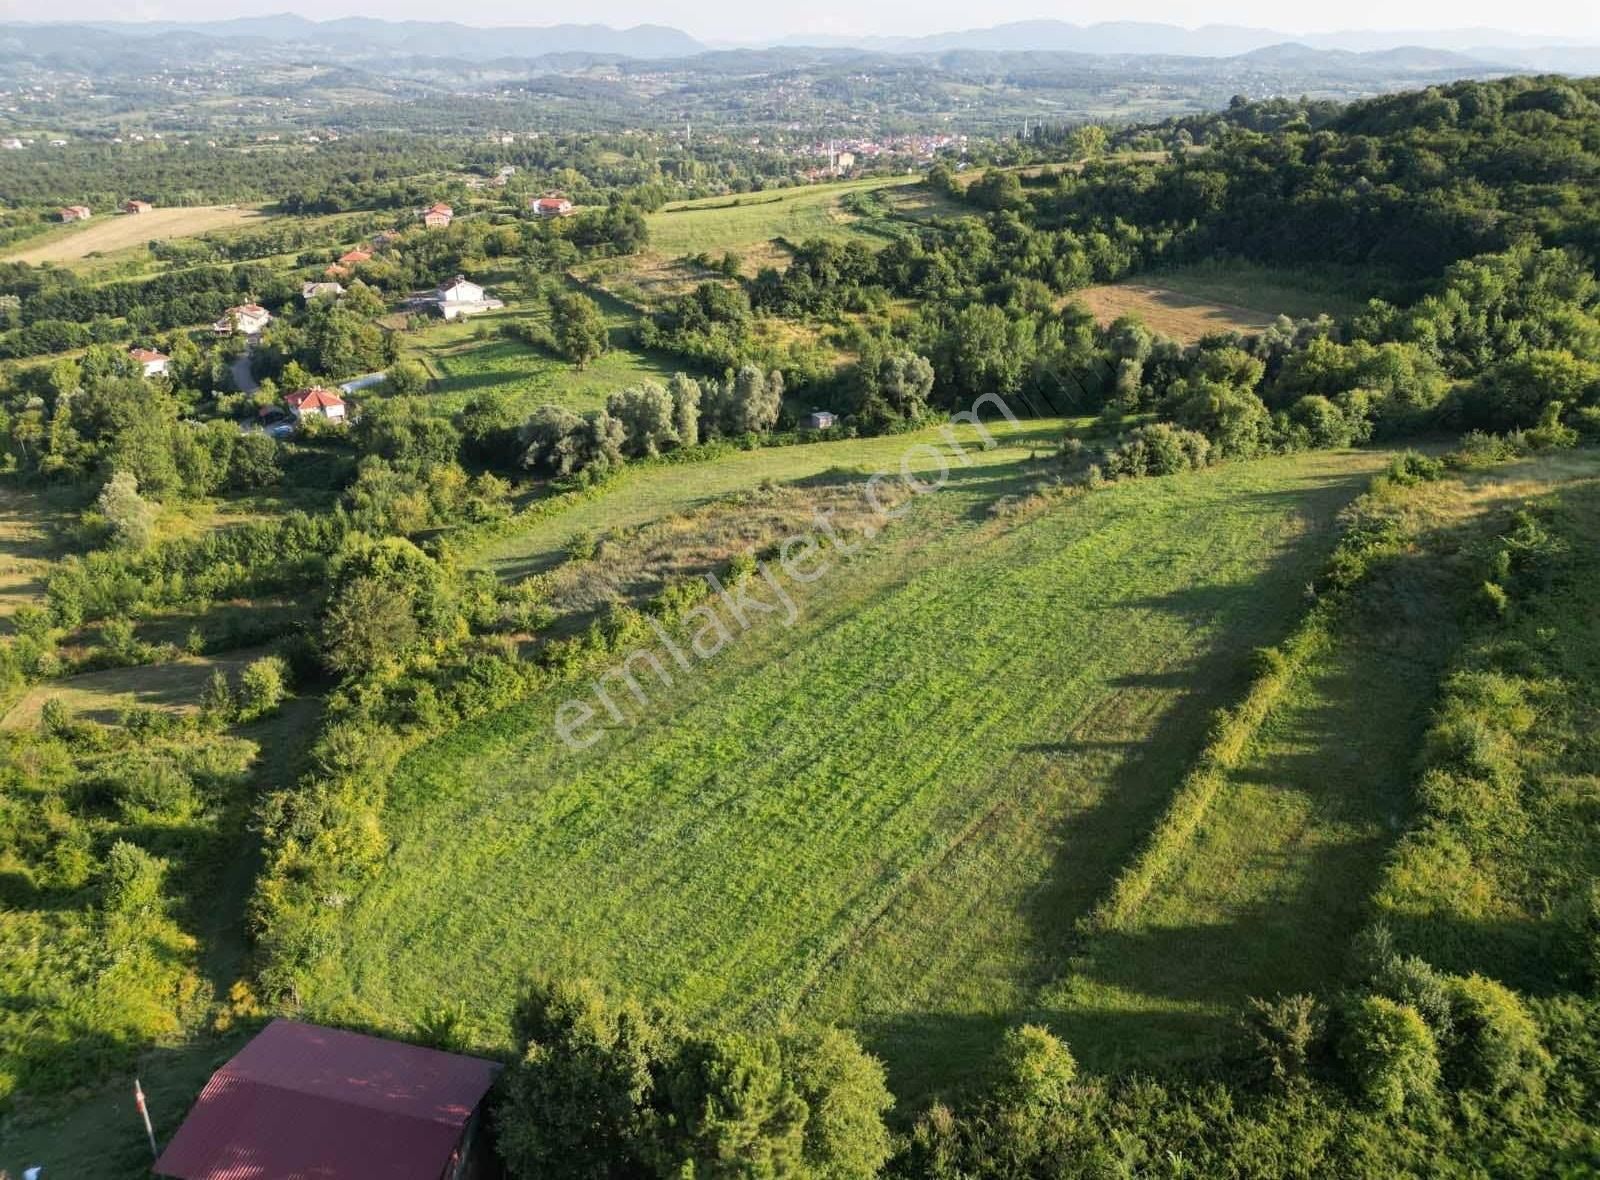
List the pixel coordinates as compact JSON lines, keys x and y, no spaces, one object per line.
{"x":153,"y":363}
{"x":552,"y":205}
{"x":302,"y":1102}
{"x":352,"y":257}
{"x":137,"y":207}
{"x":437,"y":216}
{"x":314,"y":402}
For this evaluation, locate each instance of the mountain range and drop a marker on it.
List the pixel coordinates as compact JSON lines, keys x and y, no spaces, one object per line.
{"x":365,"y":37}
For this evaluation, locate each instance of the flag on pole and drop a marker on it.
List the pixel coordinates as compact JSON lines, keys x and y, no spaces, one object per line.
{"x":144,"y":1113}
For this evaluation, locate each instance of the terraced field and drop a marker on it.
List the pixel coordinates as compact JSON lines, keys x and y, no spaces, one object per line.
{"x":889,"y":814}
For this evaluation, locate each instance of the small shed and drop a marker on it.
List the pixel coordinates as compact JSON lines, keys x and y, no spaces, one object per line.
{"x":301,"y":1101}
{"x":819,"y":420}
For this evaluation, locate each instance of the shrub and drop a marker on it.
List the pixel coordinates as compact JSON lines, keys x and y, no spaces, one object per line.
{"x":1496,"y":1049}
{"x":1283,"y":1033}
{"x":262,"y":687}
{"x":1410,"y":468}
{"x":1392,"y":1057}
{"x":846,"y":1096}
{"x":1037,"y":1071}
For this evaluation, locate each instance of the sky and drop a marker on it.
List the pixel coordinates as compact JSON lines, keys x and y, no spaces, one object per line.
{"x":733,"y":20}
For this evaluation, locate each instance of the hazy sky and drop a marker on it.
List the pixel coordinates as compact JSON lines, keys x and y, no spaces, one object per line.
{"x":727,"y":20}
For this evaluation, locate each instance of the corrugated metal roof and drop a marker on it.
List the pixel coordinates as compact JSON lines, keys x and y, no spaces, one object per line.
{"x":301,"y":1102}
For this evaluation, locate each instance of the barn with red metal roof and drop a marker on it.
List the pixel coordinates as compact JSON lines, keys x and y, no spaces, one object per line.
{"x":301,"y":1102}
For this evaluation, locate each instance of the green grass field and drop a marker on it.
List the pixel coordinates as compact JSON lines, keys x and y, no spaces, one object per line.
{"x":462,"y":365}
{"x":889,"y":814}
{"x":739,"y":221}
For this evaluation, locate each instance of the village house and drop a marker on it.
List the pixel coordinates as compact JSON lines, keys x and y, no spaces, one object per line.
{"x":74,"y":213}
{"x":137,"y":207}
{"x":385,"y":239}
{"x":303,"y":1100}
{"x":315,"y":402}
{"x":438,"y":216}
{"x":818,"y":420}
{"x":459,"y":297}
{"x":310,"y":291}
{"x":246,"y":319}
{"x":551,"y":205}
{"x":152,"y":362}
{"x":352,"y":257}
{"x":11,"y":144}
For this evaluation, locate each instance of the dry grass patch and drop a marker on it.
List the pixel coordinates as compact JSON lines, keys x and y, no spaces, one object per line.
{"x":120,"y":231}
{"x":1170,"y":313}
{"x":103,"y":696}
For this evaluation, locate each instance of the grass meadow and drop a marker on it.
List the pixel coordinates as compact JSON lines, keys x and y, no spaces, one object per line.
{"x":1186,"y":303}
{"x":741,"y":221}
{"x":648,"y":492}
{"x":889,"y":814}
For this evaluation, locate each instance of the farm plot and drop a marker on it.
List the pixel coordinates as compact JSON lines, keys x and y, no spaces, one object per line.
{"x":741,"y":221}
{"x":1280,"y":874}
{"x":647,"y":493}
{"x":121,"y":231}
{"x":1005,"y":691}
{"x":466,"y":359}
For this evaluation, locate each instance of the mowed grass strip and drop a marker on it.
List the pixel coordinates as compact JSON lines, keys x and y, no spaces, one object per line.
{"x":762,"y":820}
{"x":1278,"y":877}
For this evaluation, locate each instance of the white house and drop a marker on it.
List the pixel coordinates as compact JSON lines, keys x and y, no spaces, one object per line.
{"x":152,"y":362}
{"x":11,"y":144}
{"x":315,"y":402}
{"x":310,"y":291}
{"x":74,"y":213}
{"x":460,"y":297}
{"x":246,"y":319}
{"x":551,"y":205}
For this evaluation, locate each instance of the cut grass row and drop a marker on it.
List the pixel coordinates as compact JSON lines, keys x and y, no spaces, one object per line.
{"x":975,"y":704}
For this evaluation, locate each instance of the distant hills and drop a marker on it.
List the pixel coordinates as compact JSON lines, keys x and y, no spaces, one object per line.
{"x":361,"y":37}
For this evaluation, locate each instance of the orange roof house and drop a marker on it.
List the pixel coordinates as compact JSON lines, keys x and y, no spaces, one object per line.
{"x":316,"y":402}
{"x":438,"y":216}
{"x":152,"y":362}
{"x":137,"y":207}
